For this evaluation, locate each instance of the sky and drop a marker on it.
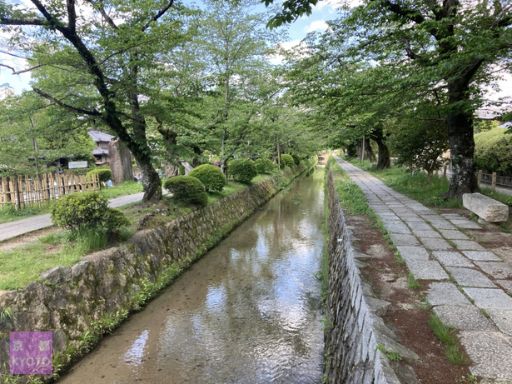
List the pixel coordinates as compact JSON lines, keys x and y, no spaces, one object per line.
{"x":324,"y":11}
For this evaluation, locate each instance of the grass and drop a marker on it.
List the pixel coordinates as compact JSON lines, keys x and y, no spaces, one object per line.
{"x":352,"y":199}
{"x":24,"y":264}
{"x":448,"y":338}
{"x":391,"y":355}
{"x":8,"y":213}
{"x":122,"y":189}
{"x":412,"y":283}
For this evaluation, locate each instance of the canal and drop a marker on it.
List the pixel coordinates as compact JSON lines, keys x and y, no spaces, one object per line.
{"x":247,"y":312}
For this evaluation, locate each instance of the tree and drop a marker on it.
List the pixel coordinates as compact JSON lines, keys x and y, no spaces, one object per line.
{"x":97,"y":59}
{"x":443,"y":46}
{"x":32,"y":135}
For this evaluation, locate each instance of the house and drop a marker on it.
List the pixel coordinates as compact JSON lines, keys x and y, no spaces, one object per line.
{"x":101,"y":152}
{"x":110,"y":151}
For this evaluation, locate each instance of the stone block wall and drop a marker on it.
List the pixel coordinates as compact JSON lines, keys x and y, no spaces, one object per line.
{"x":72,"y":301}
{"x":352,"y":336}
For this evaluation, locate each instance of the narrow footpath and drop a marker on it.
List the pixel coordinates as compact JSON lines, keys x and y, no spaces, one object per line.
{"x":469,"y":285}
{"x":17,"y":228}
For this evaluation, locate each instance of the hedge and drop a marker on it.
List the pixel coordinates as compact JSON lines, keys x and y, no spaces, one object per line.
{"x":242,"y":170}
{"x":187,"y":189}
{"x":211,"y":176}
{"x":493,"y":151}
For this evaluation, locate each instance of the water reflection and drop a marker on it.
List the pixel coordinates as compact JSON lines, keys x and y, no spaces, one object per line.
{"x":246,"y":313}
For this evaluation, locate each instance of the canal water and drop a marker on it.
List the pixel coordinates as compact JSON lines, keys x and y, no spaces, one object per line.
{"x":247,"y":312}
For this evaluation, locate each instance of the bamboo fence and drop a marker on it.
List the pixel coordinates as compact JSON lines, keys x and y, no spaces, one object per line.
{"x":20,"y":191}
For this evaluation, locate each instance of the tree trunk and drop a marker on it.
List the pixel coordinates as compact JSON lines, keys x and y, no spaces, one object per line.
{"x":462,"y":144}
{"x":368,"y":151}
{"x":383,"y":157}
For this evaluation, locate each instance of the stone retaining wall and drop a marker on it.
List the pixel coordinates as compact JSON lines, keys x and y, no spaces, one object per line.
{"x":352,"y":336}
{"x":88,"y":298}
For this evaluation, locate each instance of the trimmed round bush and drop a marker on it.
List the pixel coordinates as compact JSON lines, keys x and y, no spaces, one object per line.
{"x":104,"y":174}
{"x":85,"y":211}
{"x":287,"y":161}
{"x":242,"y":170}
{"x":264,"y":166}
{"x":211,"y":176}
{"x":187,"y":189}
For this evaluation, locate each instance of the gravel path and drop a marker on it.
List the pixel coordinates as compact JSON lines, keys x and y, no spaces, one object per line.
{"x":470,"y":287}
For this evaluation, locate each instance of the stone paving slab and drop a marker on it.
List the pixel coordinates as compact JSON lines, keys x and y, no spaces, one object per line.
{"x":463,"y":318}
{"x":467,"y":245}
{"x":452,"y":259}
{"x":453,"y":234}
{"x":481,"y":256}
{"x":393,"y":227}
{"x":489,"y":351}
{"x":427,"y":234}
{"x":506,"y":284}
{"x":488,"y":298}
{"x":436,"y":244}
{"x":403,"y":239}
{"x":503,"y":320}
{"x":468,"y":277}
{"x":445,"y":294}
{"x":413,"y":252}
{"x":441,"y":224}
{"x":498,"y":270}
{"x":426,"y":269}
{"x":466,"y":224}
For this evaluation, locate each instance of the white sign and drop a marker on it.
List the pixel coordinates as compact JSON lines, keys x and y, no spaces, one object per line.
{"x":77,"y":164}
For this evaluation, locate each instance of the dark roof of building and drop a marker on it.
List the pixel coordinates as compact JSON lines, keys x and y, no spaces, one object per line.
{"x":100,"y":151}
{"x":100,"y":137}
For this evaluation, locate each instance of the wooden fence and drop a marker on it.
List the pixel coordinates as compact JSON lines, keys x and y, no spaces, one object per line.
{"x":494,"y":179}
{"x":21,"y":191}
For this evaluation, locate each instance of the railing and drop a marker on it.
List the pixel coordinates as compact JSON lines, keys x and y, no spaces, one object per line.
{"x":20,"y":191}
{"x":494,"y":179}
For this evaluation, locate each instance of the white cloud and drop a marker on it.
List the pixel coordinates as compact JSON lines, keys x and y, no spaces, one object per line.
{"x":318,"y":25}
{"x":337,"y":4}
{"x":295,"y":47}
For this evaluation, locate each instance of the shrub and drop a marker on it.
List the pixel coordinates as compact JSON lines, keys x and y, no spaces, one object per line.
{"x":103,"y":174}
{"x":211,"y":176}
{"x":493,"y":151}
{"x":87,"y":211}
{"x":287,"y":161}
{"x":187,"y":189}
{"x":296,"y":159}
{"x":264,"y":166}
{"x":242,"y":170}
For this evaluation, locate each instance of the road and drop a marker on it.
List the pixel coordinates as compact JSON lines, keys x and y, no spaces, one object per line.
{"x":34,"y":223}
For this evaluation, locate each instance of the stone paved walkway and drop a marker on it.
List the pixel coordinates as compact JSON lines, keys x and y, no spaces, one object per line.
{"x":470,"y":287}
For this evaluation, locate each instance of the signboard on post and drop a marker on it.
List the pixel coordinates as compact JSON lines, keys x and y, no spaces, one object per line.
{"x":77,"y":164}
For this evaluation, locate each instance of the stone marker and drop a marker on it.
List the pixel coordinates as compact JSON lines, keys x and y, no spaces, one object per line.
{"x":486,"y":208}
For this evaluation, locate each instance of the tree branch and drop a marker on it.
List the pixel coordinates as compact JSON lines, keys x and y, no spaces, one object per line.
{"x":159,"y":14}
{"x":99,"y":5}
{"x":65,"y":105}
{"x":15,"y":72}
{"x":8,"y":21}
{"x":70,"y":4}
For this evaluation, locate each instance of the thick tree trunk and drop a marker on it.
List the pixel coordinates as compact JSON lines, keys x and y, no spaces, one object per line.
{"x":462,"y":145}
{"x":383,"y":157}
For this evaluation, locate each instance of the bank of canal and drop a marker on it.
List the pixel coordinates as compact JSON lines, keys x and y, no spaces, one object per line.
{"x":247,"y":312}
